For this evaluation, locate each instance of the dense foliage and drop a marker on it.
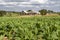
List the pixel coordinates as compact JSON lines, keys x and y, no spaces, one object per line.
{"x":43,"y":12}
{"x":32,"y":28}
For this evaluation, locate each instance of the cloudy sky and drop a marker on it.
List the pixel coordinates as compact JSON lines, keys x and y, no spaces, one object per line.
{"x":19,"y":5}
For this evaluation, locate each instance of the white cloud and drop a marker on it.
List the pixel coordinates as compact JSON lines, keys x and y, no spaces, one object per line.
{"x":30,"y":4}
{"x":39,"y":1}
{"x":51,"y":2}
{"x":25,"y":3}
{"x":1,"y":1}
{"x":9,"y":6}
{"x":6,"y":3}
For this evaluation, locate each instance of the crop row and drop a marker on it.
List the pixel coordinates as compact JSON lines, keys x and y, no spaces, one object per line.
{"x":34,"y":28}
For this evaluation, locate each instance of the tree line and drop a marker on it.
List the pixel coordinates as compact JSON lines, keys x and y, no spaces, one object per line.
{"x":13,"y":13}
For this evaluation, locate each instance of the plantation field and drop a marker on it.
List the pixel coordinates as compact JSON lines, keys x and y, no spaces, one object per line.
{"x":30,"y":28}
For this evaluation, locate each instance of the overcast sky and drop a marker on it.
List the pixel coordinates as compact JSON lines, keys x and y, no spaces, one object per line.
{"x":19,"y":5}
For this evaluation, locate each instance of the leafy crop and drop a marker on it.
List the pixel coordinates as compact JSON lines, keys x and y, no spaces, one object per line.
{"x":33,"y":28}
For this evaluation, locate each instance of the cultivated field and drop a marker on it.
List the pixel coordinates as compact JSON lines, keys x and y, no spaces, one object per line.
{"x":30,"y":28}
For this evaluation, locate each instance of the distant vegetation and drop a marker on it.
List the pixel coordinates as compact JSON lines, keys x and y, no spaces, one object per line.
{"x":13,"y":13}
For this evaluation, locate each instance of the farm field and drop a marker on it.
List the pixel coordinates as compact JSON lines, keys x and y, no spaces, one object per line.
{"x":30,"y":28}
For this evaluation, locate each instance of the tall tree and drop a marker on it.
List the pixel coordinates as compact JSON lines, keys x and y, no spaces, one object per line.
{"x":43,"y":12}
